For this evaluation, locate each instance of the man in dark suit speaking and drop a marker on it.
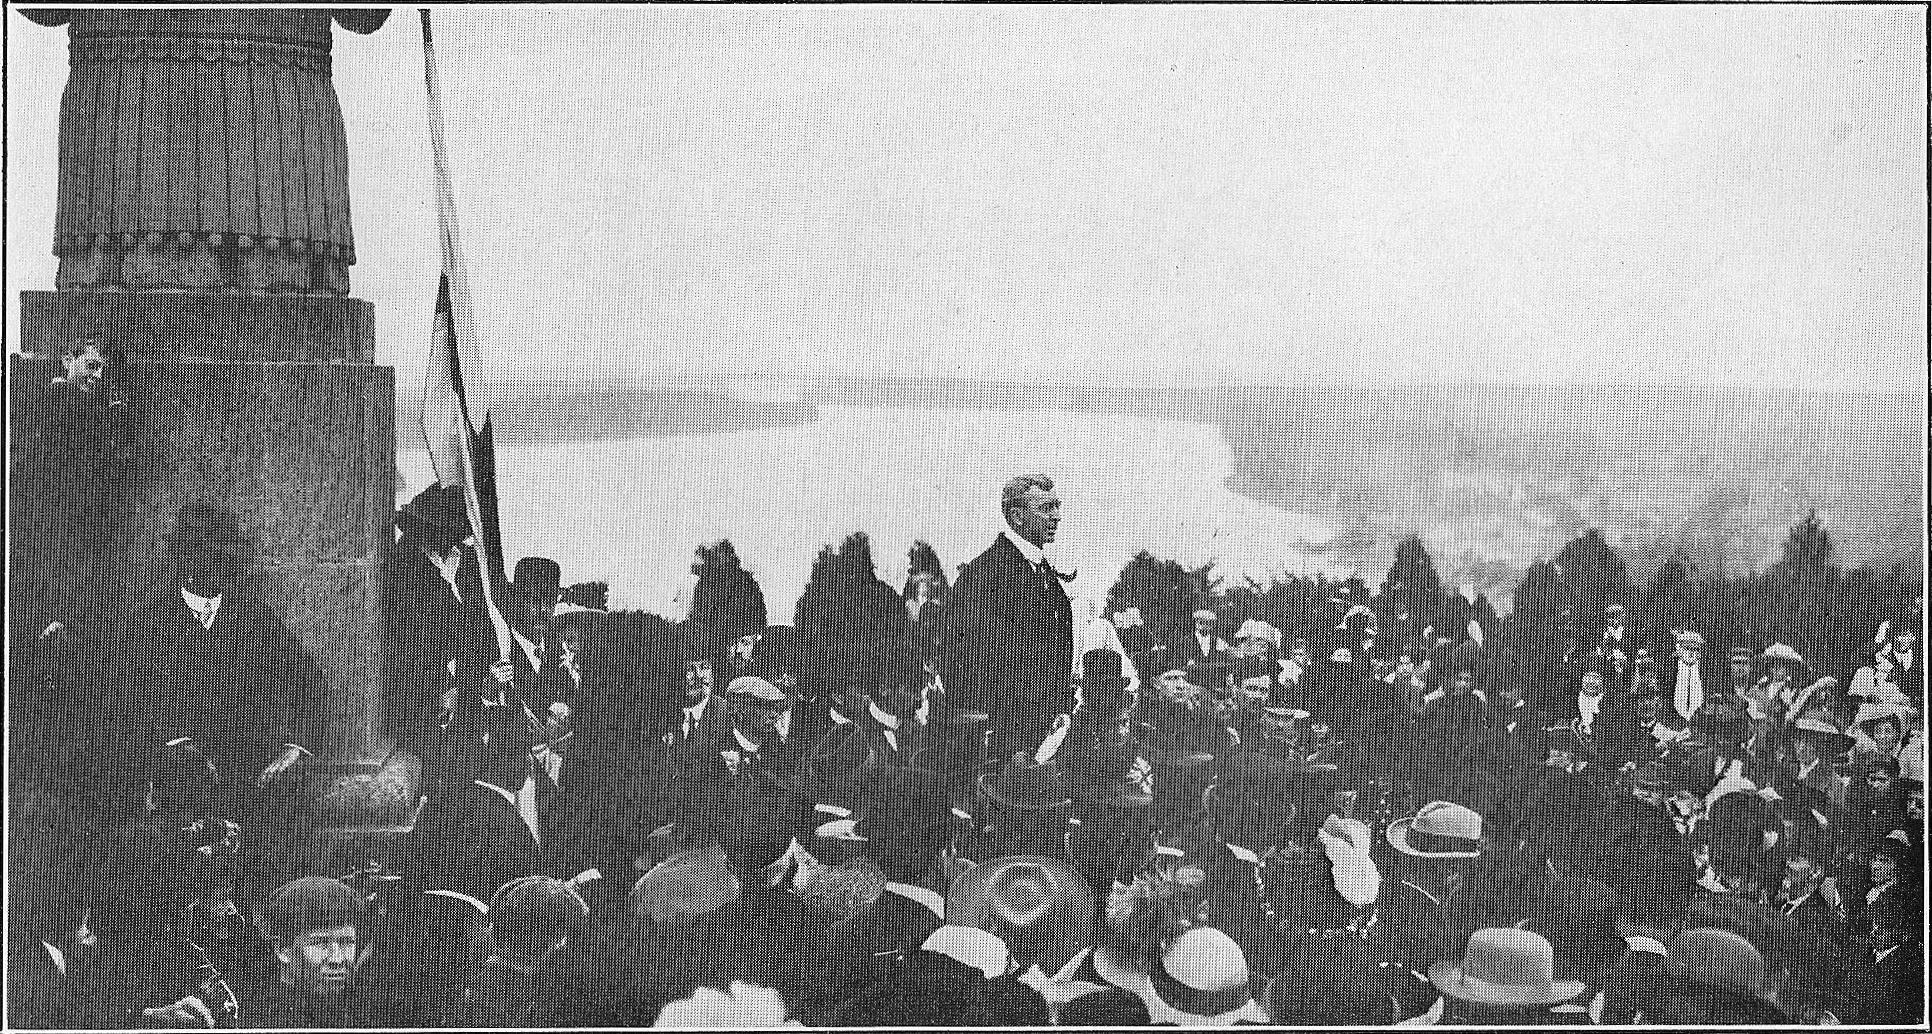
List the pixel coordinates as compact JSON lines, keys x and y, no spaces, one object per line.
{"x":1008,"y":644}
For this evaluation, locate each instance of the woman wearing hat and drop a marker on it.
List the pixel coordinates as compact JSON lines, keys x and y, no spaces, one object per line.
{"x":1887,"y":730}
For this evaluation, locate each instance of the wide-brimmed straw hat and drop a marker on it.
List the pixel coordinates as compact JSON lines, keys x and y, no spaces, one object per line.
{"x":1504,"y":967}
{"x":1831,"y":740}
{"x":1028,"y":900}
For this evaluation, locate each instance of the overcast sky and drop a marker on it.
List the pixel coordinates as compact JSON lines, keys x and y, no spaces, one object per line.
{"x":1711,"y":195}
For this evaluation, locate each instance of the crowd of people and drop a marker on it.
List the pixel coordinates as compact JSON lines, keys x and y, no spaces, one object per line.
{"x":980,"y":812}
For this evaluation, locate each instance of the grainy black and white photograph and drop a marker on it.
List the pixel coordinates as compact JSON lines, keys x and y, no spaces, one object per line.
{"x":930,"y":516}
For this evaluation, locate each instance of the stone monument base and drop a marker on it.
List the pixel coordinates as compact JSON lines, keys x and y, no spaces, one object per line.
{"x":270,"y":406}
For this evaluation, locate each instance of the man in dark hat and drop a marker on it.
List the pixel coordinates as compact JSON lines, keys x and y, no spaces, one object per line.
{"x":530,"y":682}
{"x":1008,"y":646}
{"x":1113,"y":790}
{"x":1182,"y":735}
{"x":312,"y":923}
{"x":1641,"y":852}
{"x":1890,"y":883}
{"x":433,"y":606}
{"x":728,"y":605}
{"x":207,"y":663}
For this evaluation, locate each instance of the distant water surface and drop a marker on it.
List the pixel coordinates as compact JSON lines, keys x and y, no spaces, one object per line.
{"x":630,"y":511}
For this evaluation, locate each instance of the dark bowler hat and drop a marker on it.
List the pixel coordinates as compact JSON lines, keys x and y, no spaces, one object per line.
{"x":1025,"y":786}
{"x":202,"y":526}
{"x":538,"y":577}
{"x":439,"y":508}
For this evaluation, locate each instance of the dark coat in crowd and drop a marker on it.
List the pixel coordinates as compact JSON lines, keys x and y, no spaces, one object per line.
{"x":273,"y":1005}
{"x":1009,"y":641}
{"x":40,"y":995}
{"x":429,"y":627}
{"x":1892,"y":989}
{"x":75,"y":458}
{"x":242,"y":689}
{"x":471,"y":839}
{"x":535,"y":688}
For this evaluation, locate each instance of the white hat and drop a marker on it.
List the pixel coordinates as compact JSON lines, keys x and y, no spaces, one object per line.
{"x":1781,"y":652}
{"x":745,"y":1006}
{"x":1256,"y":629}
{"x":1459,"y":826}
{"x":1202,"y":973}
{"x":1728,"y":785}
{"x":977,"y":948}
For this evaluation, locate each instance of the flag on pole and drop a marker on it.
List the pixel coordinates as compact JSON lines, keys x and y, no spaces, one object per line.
{"x":461,"y":458}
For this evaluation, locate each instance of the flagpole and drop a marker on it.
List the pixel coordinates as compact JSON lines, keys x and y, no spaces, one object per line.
{"x":461,"y":326}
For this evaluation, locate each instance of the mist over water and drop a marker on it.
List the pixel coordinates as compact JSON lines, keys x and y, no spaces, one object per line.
{"x":1259,"y":480}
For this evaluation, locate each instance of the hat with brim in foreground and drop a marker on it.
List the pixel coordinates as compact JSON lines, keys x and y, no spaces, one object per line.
{"x":1025,"y":899}
{"x":1828,"y":738}
{"x":1202,"y":974}
{"x":1505,"y":967}
{"x":1717,"y":958}
{"x":1027,"y":787}
{"x":1441,"y":829}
